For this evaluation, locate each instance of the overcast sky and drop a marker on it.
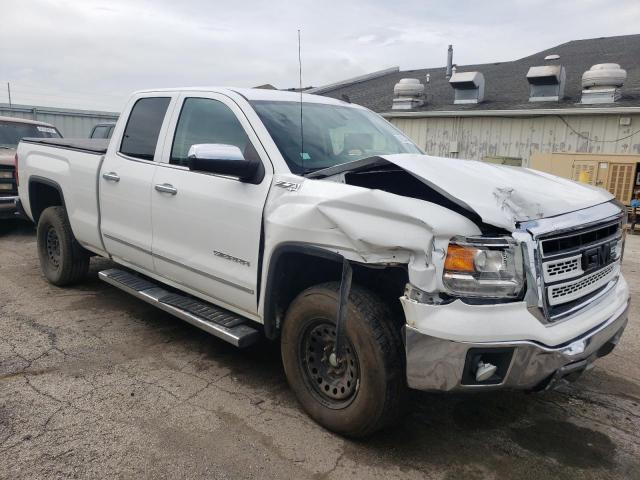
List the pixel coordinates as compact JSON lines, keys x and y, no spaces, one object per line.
{"x":93,"y":53}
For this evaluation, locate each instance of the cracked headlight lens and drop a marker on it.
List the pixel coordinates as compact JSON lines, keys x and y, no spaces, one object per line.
{"x":484,"y":267}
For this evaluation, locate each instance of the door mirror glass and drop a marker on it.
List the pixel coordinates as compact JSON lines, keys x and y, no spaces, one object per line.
{"x":221,"y":159}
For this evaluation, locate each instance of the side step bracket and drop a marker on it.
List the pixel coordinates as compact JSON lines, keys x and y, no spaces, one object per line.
{"x":217,"y":321}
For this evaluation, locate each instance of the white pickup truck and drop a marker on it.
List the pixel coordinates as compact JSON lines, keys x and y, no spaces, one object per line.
{"x":253,"y":213}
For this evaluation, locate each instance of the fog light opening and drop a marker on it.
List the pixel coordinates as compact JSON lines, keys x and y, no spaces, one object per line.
{"x":484,"y":371}
{"x":486,"y":366}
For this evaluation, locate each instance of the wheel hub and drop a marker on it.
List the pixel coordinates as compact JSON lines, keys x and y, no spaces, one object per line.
{"x":334,"y":378}
{"x":53,"y":247}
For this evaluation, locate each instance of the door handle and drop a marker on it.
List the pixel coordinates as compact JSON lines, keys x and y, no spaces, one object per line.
{"x":111,"y":177}
{"x":166,"y":188}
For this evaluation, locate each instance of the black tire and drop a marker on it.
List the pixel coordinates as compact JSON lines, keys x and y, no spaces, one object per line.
{"x":62,"y":260}
{"x":374,"y":353}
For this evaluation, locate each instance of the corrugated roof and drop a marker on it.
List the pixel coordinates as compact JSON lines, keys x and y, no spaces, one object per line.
{"x":506,"y":84}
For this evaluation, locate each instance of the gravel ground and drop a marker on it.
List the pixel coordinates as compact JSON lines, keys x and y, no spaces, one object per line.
{"x":95,"y":384}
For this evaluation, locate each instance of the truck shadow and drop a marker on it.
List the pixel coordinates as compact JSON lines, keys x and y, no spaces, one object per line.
{"x":492,"y":430}
{"x":467,"y":434}
{"x":16,"y":227}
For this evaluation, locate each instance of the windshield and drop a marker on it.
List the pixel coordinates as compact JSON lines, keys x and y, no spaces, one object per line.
{"x":12,"y":132}
{"x":332,"y":134}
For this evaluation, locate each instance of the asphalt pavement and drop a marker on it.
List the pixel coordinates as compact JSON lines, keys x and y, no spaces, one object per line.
{"x":97,"y":384}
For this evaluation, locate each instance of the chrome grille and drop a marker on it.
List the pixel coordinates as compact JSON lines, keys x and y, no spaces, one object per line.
{"x":562,"y":269}
{"x":563,"y":244}
{"x":576,"y":265}
{"x":566,"y":292}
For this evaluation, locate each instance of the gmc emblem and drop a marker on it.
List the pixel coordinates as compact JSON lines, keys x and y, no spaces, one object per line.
{"x":596,"y":257}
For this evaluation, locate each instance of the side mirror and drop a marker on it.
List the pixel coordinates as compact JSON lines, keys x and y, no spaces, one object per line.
{"x":223,"y":160}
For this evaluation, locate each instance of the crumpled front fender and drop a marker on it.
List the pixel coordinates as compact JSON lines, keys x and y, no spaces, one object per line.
{"x":363,"y":225}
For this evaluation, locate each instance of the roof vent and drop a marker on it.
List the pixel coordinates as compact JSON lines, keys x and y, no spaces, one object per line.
{"x":449,"y":70}
{"x":602,"y":82}
{"x":546,"y":83}
{"x":408,"y":93}
{"x":468,"y":87}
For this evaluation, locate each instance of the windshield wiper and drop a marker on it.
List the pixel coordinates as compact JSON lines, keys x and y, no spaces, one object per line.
{"x":307,"y":171}
{"x":347,"y":167}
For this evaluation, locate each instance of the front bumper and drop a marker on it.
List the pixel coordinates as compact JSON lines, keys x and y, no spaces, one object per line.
{"x":438,"y":364}
{"x":8,"y":206}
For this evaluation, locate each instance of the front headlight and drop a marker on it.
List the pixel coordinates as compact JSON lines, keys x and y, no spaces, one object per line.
{"x":484,"y":267}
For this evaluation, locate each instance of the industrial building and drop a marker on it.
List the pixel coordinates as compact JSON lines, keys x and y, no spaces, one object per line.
{"x":552,"y":110}
{"x":71,"y":123}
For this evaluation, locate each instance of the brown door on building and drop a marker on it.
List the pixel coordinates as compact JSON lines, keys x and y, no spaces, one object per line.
{"x":621,"y":181}
{"x":617,"y":173}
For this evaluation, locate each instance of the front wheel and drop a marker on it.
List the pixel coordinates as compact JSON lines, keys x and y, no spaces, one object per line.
{"x":62,"y":260}
{"x":360,"y":392}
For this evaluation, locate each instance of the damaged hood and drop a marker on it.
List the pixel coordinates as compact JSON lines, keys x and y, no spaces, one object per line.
{"x":500,"y":195}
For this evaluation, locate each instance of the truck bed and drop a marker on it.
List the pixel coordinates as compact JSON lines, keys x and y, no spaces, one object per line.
{"x":71,"y":166}
{"x":97,"y":146}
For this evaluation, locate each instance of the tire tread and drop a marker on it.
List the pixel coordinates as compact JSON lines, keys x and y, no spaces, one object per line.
{"x":74,"y":266}
{"x":386,"y":333}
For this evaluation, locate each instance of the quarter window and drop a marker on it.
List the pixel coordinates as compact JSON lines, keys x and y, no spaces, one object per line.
{"x":143,"y":127}
{"x":203,"y":120}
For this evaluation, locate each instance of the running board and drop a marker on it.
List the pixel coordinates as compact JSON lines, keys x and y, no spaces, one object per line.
{"x":217,"y":321}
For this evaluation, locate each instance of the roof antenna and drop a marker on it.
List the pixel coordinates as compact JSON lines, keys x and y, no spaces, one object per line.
{"x":301,"y":127}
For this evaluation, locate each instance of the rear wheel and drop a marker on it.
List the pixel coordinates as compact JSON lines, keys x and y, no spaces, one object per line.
{"x":62,"y":260}
{"x":362,"y":391}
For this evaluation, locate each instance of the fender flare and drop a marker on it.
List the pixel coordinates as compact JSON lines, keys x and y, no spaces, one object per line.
{"x":33,"y":179}
{"x":272,"y":284}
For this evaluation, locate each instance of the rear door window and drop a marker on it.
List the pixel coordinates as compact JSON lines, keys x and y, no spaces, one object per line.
{"x":143,"y":127}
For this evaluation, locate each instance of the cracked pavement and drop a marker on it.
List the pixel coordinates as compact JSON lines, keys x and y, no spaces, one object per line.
{"x":95,"y":384}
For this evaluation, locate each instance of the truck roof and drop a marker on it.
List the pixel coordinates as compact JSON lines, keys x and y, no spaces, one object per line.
{"x":256,"y":94}
{"x":24,"y":120}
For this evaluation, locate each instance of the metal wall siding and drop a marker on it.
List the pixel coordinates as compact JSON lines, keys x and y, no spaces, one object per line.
{"x":71,"y":123}
{"x":521,"y":137}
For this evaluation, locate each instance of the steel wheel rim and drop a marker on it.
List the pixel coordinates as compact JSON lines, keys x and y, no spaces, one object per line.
{"x":53,"y":246}
{"x":335,"y":386}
